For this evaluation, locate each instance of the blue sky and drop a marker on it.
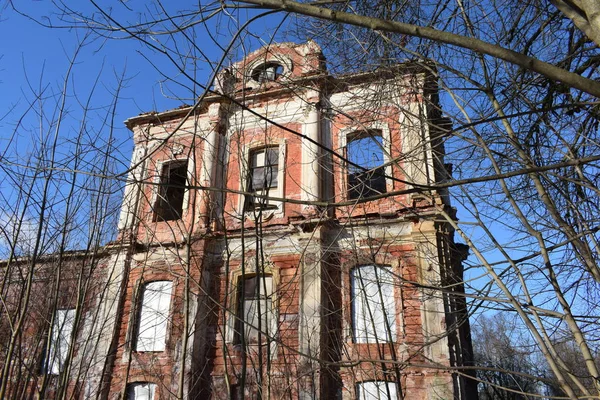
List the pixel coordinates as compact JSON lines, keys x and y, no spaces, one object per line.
{"x":39,"y":53}
{"x":33,"y":56}
{"x":34,"y":60}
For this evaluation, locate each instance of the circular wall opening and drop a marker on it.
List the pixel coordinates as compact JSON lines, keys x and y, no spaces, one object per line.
{"x":267,"y":72}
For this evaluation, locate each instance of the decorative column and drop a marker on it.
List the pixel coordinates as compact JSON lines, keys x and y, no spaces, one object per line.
{"x":416,"y":143}
{"x":310,"y":329}
{"x":133,"y":188}
{"x":210,"y":150}
{"x":311,"y":169}
{"x":433,"y":313}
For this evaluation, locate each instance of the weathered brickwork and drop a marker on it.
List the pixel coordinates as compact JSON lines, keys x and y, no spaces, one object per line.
{"x":270,"y":200}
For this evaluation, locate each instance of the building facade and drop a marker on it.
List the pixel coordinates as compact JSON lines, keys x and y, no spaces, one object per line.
{"x":282,"y":238}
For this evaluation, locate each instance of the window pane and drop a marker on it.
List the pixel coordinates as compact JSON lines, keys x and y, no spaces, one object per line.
{"x":271,"y":177}
{"x":255,"y":308}
{"x":264,"y":283}
{"x":264,"y":168}
{"x":141,"y":391}
{"x":366,"y":151}
{"x":257,"y":158}
{"x":272,"y":156}
{"x":377,"y":390}
{"x":154,"y":315}
{"x":60,"y":341}
{"x":253,"y":316}
{"x":263,"y":175}
{"x":374,"y":307}
{"x":258,"y":178}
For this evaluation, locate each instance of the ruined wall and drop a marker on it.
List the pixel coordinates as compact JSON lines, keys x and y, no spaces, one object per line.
{"x":302,"y":230}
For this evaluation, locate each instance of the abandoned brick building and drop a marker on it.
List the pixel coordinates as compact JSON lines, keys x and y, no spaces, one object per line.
{"x":279,"y":239}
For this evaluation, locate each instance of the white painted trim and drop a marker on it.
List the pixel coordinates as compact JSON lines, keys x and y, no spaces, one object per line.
{"x":311,"y":168}
{"x":280,"y":112}
{"x":416,"y":144}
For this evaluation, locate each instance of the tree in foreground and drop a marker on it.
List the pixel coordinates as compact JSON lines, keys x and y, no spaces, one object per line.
{"x":520,"y":91}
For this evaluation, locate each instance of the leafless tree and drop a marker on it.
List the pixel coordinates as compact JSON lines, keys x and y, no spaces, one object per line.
{"x":59,"y":199}
{"x":520,"y":88}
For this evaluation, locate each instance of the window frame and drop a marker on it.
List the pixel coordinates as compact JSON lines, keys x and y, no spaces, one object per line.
{"x":266,"y":59}
{"x":157,"y":346}
{"x":233,"y":302}
{"x":241,"y":320}
{"x":279,"y":191}
{"x":368,"y":334}
{"x":55,"y":359}
{"x":261,"y":72}
{"x":157,"y":185}
{"x":377,"y":384}
{"x":131,"y":390}
{"x":384,"y":133}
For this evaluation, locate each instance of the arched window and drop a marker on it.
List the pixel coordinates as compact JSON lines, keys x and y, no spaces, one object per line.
{"x":267,"y":72}
{"x":373,"y":304}
{"x":366,"y":177}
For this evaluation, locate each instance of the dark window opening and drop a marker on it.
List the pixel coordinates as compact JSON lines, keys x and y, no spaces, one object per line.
{"x":255,"y":314}
{"x":169,"y":204}
{"x":367,"y":176}
{"x":267,"y":72}
{"x":262,"y":177}
{"x":237,"y":392}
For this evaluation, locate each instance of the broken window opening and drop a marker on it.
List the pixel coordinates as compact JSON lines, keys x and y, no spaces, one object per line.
{"x":171,"y":192}
{"x":141,"y":391}
{"x":377,"y":390}
{"x":60,"y":340}
{"x":267,"y":72}
{"x":263,"y":177}
{"x":367,"y":176}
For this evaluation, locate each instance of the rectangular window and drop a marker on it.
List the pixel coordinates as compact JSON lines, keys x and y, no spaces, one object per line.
{"x":366,"y":174}
{"x":377,"y":390}
{"x":255,"y":309}
{"x":171,"y":191}
{"x":263,"y":171}
{"x":154,"y":316}
{"x":373,"y":304}
{"x":60,"y":340}
{"x":141,"y":391}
